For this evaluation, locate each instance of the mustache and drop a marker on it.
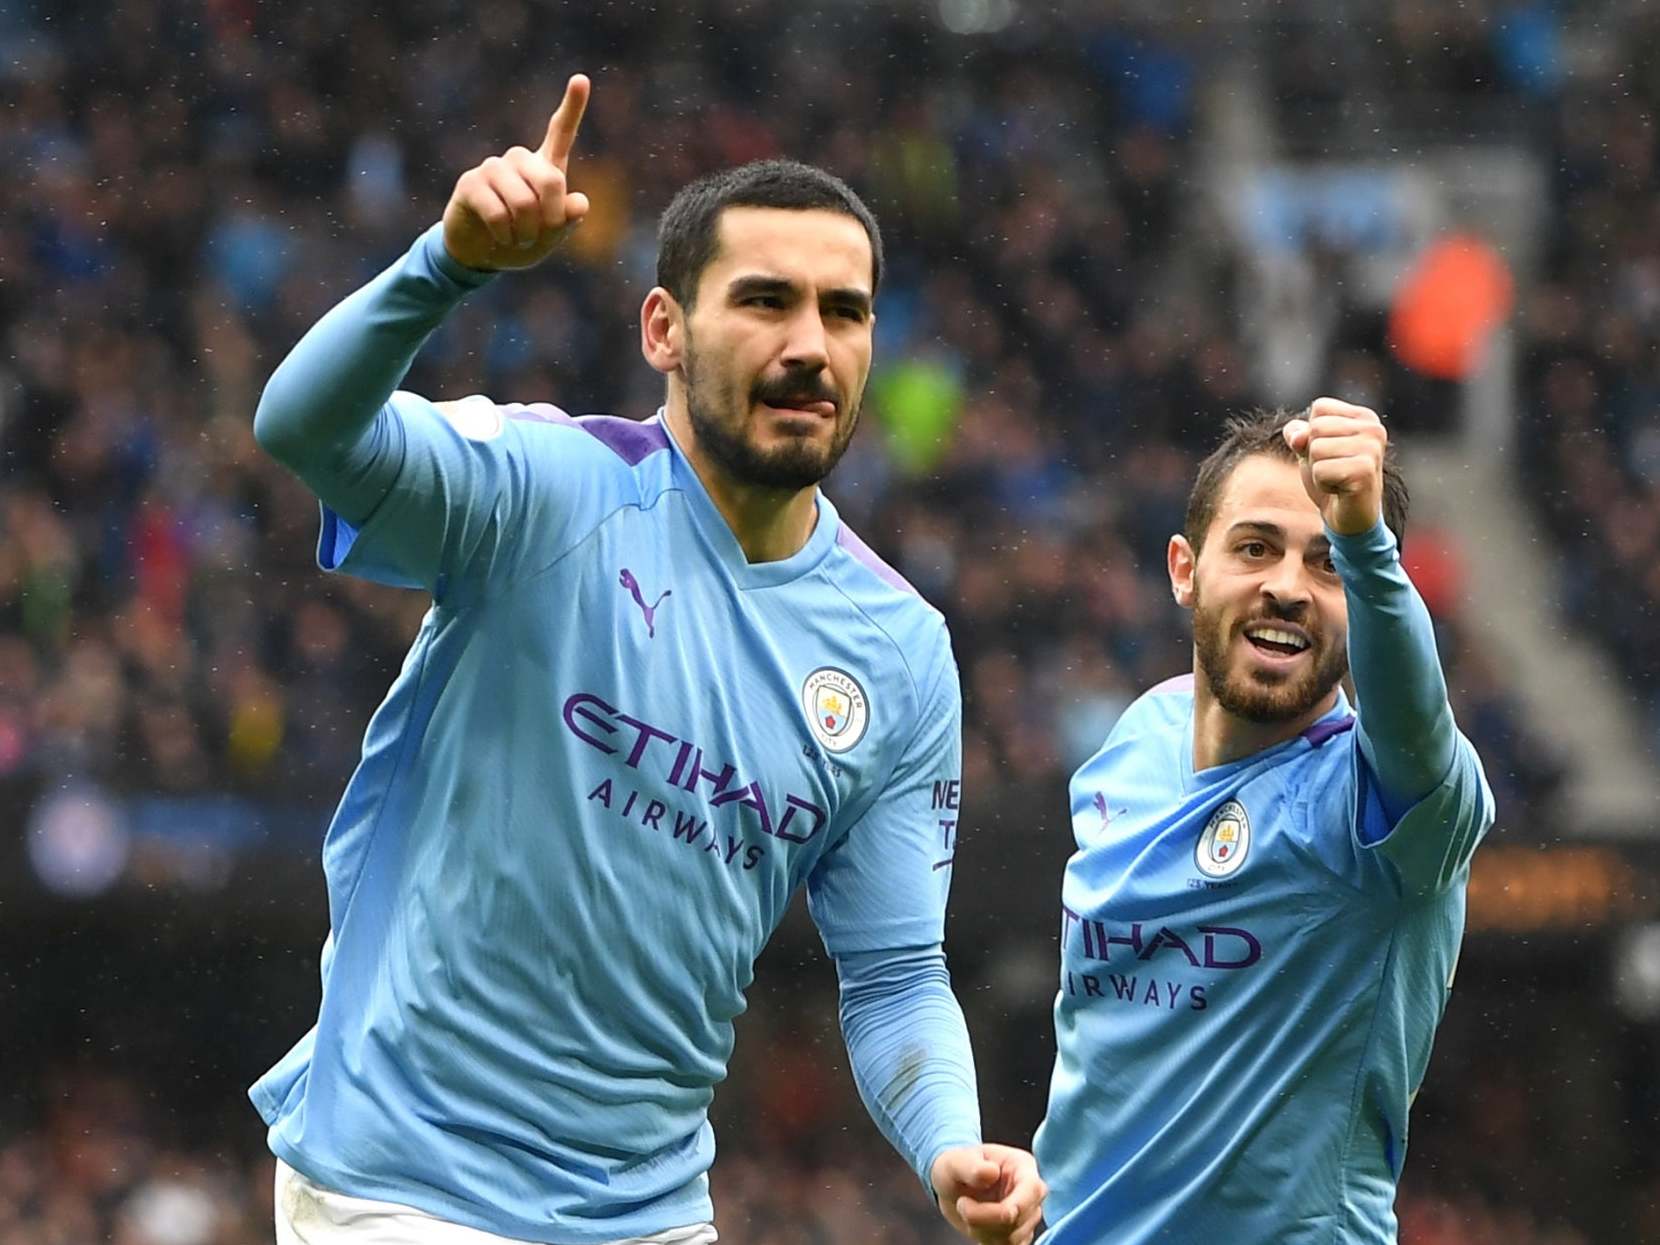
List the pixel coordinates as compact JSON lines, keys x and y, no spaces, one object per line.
{"x":796,"y":388}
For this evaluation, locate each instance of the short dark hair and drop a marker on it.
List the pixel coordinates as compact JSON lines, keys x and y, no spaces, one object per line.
{"x":1262,"y":432}
{"x":689,"y":233}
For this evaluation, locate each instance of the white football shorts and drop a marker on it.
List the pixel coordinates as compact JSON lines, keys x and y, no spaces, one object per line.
{"x":308,"y":1214}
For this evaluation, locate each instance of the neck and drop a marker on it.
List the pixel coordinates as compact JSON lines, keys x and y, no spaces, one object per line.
{"x":1220,"y":736}
{"x":770,"y":524}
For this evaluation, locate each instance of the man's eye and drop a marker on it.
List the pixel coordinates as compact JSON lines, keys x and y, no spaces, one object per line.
{"x":855,"y":314}
{"x":771,"y":301}
{"x":1254,"y":549}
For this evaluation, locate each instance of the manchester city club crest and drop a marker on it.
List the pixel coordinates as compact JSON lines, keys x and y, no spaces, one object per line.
{"x":1225,"y":842}
{"x":836,"y":707}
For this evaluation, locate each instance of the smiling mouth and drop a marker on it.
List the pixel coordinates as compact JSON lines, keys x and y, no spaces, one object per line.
{"x":1276,"y":642}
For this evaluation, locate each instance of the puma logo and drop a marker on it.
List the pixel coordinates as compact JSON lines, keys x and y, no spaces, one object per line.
{"x":627,"y":580}
{"x":1101,"y":808}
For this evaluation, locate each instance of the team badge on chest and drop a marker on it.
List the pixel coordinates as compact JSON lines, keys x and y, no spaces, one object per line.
{"x":1225,"y":842}
{"x":836,"y":707}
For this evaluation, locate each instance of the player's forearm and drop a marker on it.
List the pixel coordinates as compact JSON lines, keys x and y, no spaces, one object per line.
{"x":910,"y":1052}
{"x":321,"y":412}
{"x":1406,"y":724}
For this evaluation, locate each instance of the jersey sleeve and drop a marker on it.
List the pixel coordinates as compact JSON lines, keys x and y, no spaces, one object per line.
{"x":910,"y":1053}
{"x":885,"y":884}
{"x":481,"y":495}
{"x":1430,"y":844}
{"x":1412,"y":794}
{"x":1407,"y":854}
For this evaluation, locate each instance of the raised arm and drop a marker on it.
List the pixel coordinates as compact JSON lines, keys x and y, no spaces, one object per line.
{"x":323,"y":413}
{"x":1406,"y":724}
{"x":1406,"y":733}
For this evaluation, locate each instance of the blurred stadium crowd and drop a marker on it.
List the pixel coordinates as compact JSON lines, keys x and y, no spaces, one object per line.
{"x":195,"y":181}
{"x":1591,"y":370}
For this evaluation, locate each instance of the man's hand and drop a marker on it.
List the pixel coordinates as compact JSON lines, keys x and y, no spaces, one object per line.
{"x":511,"y":211}
{"x":991,"y":1194}
{"x":1341,"y":446}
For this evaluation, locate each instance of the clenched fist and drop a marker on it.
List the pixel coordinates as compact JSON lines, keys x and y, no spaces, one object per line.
{"x":991,"y":1194}
{"x":1340,"y":448}
{"x":511,"y":211}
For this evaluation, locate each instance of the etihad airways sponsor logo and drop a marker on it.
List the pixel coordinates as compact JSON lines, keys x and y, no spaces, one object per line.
{"x":1086,"y":942}
{"x":1205,"y":946}
{"x":682,"y":764}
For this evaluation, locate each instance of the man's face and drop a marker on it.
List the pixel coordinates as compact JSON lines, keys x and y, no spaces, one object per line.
{"x":1270,"y":623}
{"x":778,"y":344}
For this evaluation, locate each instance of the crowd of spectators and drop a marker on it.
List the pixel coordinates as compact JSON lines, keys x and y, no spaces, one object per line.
{"x":1034,"y":418}
{"x":1590,"y":338}
{"x":193,"y":182}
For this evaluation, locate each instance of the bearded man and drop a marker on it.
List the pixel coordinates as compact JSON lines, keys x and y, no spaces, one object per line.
{"x":1260,"y":926}
{"x":661,"y":687}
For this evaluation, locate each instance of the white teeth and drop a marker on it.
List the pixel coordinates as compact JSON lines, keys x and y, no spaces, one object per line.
{"x":1275,"y":636}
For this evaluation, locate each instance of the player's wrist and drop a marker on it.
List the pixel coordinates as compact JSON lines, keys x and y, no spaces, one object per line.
{"x":435,"y":245}
{"x":1361,"y":555}
{"x":1362,"y":538}
{"x":1352,"y":529}
{"x":936,"y":1172}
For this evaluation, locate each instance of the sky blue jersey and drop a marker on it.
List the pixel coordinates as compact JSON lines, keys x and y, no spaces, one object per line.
{"x":1254,"y":957}
{"x":615,"y":750}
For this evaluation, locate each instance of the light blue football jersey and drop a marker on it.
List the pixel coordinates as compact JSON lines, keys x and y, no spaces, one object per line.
{"x":615,"y":750}
{"x":1253,"y":964}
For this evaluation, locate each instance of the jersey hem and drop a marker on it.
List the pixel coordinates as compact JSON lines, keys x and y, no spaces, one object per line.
{"x":352,"y":1184}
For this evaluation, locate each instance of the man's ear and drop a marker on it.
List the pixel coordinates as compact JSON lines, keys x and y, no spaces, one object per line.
{"x":1182,"y":563}
{"x":662,"y":331}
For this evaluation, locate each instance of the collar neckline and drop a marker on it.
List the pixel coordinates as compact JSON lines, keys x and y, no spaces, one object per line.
{"x":717,"y":534}
{"x":1192,"y":779}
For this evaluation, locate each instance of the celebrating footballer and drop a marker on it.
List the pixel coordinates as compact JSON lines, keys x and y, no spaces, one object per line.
{"x":661,"y":687}
{"x":1262,"y":918}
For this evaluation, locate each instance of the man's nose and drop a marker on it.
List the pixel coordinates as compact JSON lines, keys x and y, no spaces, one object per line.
{"x":1287,"y":587}
{"x":806,"y":348}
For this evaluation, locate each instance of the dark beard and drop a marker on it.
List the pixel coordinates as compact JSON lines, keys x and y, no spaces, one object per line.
{"x":796,"y":465}
{"x":1265,"y":703}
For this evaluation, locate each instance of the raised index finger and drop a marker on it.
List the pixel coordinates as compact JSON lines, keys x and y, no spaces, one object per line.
{"x":562,"y":126}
